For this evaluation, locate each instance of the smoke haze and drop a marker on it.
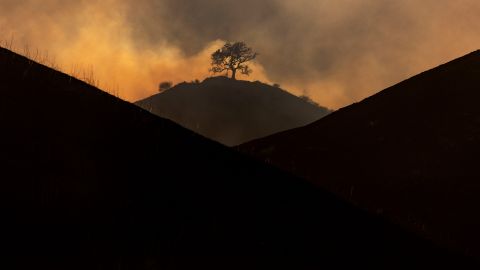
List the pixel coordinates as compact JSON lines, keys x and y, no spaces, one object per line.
{"x":337,"y":52}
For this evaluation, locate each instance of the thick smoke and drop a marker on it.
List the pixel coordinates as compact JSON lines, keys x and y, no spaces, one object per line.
{"x":338,"y":52}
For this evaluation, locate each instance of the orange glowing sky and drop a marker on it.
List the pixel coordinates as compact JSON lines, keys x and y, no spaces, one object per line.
{"x":337,"y":52}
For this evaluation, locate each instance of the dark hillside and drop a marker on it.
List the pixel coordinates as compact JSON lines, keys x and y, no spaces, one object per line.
{"x":411,"y":152}
{"x":233,"y":112}
{"x":88,"y":181}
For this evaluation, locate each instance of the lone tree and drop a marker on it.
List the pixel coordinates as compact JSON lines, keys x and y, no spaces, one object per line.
{"x":232,"y":57}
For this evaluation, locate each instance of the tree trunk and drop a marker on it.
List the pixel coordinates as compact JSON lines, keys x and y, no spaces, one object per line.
{"x":234,"y":74}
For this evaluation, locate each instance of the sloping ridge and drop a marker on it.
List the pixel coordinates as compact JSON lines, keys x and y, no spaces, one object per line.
{"x":89,"y":181}
{"x":233,"y":112}
{"x":410,"y":152}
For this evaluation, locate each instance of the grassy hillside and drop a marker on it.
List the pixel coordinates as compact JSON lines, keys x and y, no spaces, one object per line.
{"x":409,"y":152}
{"x":89,"y":181}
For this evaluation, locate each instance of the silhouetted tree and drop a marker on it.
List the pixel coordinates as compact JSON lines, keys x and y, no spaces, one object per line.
{"x":164,"y":86}
{"x":232,"y":57}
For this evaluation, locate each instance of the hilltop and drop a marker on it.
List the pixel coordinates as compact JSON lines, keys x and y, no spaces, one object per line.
{"x":233,"y":112}
{"x":409,"y":152}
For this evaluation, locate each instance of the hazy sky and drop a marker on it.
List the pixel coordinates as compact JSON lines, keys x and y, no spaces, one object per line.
{"x":336,"y":51}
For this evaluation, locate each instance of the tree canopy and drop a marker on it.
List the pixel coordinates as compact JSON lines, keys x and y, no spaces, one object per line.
{"x":232,"y":57}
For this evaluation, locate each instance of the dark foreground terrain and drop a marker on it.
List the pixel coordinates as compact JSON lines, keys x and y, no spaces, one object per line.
{"x":410,"y":152}
{"x":89,"y":181}
{"x":233,"y":112}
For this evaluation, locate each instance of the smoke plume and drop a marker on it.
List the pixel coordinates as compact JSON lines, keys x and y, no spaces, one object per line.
{"x":337,"y":52}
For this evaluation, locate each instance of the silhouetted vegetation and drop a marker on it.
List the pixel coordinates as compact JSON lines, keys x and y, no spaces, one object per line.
{"x":164,"y":86}
{"x":81,"y":72}
{"x":276,"y":85}
{"x":232,"y":57}
{"x":309,"y":100}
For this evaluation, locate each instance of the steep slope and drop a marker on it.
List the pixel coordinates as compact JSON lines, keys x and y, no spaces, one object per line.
{"x":92,"y":182}
{"x":233,"y":112}
{"x":410,"y":152}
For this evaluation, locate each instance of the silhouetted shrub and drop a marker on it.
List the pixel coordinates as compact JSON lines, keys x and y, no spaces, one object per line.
{"x":309,"y":100}
{"x":164,"y":86}
{"x":276,"y":85}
